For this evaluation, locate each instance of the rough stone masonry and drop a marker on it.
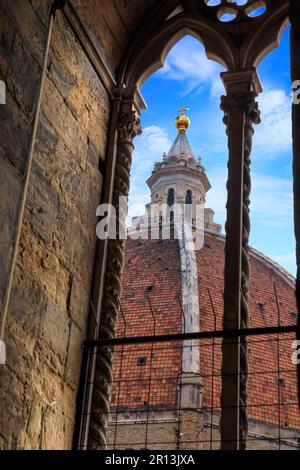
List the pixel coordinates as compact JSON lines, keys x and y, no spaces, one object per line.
{"x":49,"y":306}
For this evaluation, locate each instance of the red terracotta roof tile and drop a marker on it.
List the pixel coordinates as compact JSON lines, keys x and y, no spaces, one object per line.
{"x":150,"y":305}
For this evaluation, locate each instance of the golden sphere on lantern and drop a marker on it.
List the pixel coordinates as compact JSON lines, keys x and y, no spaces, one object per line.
{"x":182,"y":122}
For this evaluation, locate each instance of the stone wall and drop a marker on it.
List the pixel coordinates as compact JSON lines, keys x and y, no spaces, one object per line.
{"x":188,"y":430}
{"x":156,"y":430}
{"x":114,"y":25}
{"x":49,"y":306}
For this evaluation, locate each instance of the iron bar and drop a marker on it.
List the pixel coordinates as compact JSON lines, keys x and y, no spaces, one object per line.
{"x":278,"y":368}
{"x":81,"y":395}
{"x":179,"y":382}
{"x":195,"y":335}
{"x":150,"y":371}
{"x":212,"y":369}
{"x":120,"y":375}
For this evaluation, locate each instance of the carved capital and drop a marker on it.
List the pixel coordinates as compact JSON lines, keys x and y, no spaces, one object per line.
{"x":245,"y":100}
{"x":129,"y":127}
{"x":252,"y":117}
{"x":235,"y":103}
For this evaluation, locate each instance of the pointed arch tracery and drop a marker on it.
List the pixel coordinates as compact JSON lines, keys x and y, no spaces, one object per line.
{"x":238,"y":44}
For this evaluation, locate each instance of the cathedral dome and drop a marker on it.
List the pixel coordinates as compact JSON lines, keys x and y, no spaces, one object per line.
{"x":153,"y":286}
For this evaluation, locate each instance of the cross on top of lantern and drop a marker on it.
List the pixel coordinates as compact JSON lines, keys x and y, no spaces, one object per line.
{"x":182,"y":122}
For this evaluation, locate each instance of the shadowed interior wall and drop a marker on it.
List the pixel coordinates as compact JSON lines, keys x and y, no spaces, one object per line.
{"x":114,"y":25}
{"x":49,"y":306}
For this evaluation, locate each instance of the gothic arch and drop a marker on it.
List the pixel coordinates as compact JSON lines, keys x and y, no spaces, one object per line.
{"x":234,"y":45}
{"x":150,"y":55}
{"x":189,"y":197}
{"x":238,"y":45}
{"x":171,"y":197}
{"x":266,"y":38}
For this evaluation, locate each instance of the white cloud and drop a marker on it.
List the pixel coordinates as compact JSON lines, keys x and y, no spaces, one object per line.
{"x":287,"y":260}
{"x":154,"y":139}
{"x":187,"y":63}
{"x":217,"y":88}
{"x":271,"y":213}
{"x":273,"y":135}
{"x":149,"y":148}
{"x":272,"y":100}
{"x":271,"y":197}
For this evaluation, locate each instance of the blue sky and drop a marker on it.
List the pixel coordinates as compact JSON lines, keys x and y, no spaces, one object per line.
{"x":189,"y":78}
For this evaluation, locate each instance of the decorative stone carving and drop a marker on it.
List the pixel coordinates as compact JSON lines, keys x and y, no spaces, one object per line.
{"x":128,"y":128}
{"x":239,"y":41}
{"x":237,"y":12}
{"x":235,"y":104}
{"x":252,"y":117}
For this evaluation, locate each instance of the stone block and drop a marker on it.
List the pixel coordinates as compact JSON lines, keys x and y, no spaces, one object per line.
{"x":28,"y":304}
{"x":82,"y":90}
{"x":9,"y":204}
{"x":42,"y":204}
{"x":14,"y":421}
{"x":44,"y":266}
{"x":191,"y":391}
{"x":63,"y":120}
{"x":93,"y":154}
{"x":19,"y":62}
{"x":74,"y":356}
{"x":56,"y":330}
{"x":46,"y":141}
{"x":84,"y":252}
{"x":88,"y":201}
{"x":68,"y":432}
{"x":62,"y":78}
{"x":79,"y":303}
{"x":62,"y":240}
{"x":15,"y":133}
{"x":28,"y":25}
{"x":53,"y":430}
{"x":34,"y":427}
{"x":21,"y":351}
{"x":9,"y":381}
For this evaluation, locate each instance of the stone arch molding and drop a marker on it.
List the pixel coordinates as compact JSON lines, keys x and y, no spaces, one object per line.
{"x":238,"y":44}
